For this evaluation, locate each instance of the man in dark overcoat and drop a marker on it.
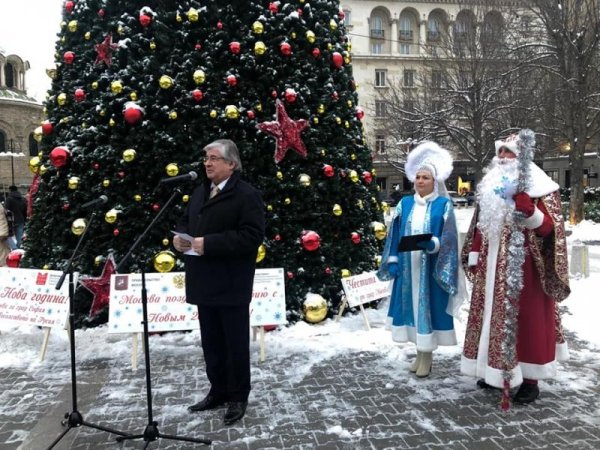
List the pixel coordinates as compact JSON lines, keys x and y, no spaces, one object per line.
{"x":223,"y":226}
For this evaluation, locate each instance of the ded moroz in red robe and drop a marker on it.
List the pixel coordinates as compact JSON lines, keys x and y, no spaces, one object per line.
{"x":540,"y":339}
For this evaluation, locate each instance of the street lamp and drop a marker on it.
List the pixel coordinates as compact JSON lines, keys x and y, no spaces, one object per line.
{"x":14,"y":149}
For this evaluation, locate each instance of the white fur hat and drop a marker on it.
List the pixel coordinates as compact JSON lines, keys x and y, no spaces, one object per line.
{"x":511,"y":143}
{"x":431,"y":157}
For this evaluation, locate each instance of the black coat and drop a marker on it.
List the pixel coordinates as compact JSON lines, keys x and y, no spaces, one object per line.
{"x":16,"y":203}
{"x":233,"y":226}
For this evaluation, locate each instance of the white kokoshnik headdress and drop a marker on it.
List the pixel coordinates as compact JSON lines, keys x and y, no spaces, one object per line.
{"x":431,"y":157}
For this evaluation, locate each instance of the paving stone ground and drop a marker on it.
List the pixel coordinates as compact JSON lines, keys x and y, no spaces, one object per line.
{"x":345,"y":402}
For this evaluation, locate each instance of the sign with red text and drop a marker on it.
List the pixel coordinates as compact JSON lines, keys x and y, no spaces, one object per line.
{"x":167,"y":307}
{"x":365,"y":288}
{"x":268,"y":298}
{"x":30,"y":297}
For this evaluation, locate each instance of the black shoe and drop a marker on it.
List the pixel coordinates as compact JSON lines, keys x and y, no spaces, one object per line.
{"x":527,"y":393}
{"x":483,"y":385}
{"x":235,"y":412}
{"x":209,"y":402}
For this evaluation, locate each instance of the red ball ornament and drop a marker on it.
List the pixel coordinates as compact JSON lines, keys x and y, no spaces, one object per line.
{"x":274,"y":7}
{"x":197,"y":95}
{"x":311,"y":241}
{"x":360,"y":113}
{"x":235,"y":47}
{"x":198,"y":46}
{"x":47,"y":127}
{"x":116,"y":232}
{"x":274,"y":93}
{"x":285,"y":49}
{"x":79,"y":95}
{"x":290,"y":275}
{"x":219,"y":25}
{"x":355,"y":238}
{"x":316,"y":53}
{"x":366,"y":175}
{"x":59,"y":156}
{"x":133,"y":113}
{"x":341,"y":14}
{"x":290,"y":95}
{"x":121,"y":174}
{"x":69,"y":5}
{"x":66,"y":207}
{"x":335,"y":96}
{"x":299,"y":11}
{"x":145,"y":19}
{"x":328,"y":271}
{"x":101,"y":12}
{"x":328,"y":171}
{"x":13,"y":259}
{"x":278,"y":237}
{"x":155,"y":207}
{"x":232,"y":80}
{"x":95,"y":166}
{"x":251,"y":115}
{"x":337,"y":59}
{"x":69,"y":57}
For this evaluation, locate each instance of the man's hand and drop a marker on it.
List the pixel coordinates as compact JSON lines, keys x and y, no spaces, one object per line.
{"x":524,"y":204}
{"x":393,"y":269}
{"x":181,"y":244}
{"x":426,"y":245}
{"x":198,"y":245}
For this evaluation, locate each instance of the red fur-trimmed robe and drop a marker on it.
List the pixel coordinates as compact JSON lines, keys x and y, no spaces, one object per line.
{"x":540,"y":339}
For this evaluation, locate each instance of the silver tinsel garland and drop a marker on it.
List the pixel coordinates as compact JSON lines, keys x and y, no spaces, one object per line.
{"x":515,"y":260}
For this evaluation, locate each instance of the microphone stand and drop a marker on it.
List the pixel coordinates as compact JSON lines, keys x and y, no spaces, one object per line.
{"x":74,"y":419}
{"x":151,"y":432}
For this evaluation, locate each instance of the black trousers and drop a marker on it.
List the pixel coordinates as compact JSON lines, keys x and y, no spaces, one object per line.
{"x":225,"y":334}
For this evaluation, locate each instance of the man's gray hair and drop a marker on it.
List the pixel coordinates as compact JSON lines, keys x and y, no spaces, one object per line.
{"x":228,"y":150}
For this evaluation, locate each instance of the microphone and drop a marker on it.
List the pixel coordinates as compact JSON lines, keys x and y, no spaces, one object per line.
{"x":100,"y":200}
{"x":190,"y":176}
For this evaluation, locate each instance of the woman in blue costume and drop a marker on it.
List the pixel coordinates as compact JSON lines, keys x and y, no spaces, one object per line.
{"x":428,"y":283}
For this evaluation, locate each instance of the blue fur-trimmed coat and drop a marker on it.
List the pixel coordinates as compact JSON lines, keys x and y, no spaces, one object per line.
{"x":421,"y":302}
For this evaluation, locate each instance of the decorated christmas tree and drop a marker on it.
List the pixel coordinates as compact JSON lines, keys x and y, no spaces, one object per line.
{"x":140,"y":87}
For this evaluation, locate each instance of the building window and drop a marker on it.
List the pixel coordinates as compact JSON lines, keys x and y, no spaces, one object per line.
{"x":33,"y":146}
{"x":347,"y":17}
{"x":2,"y":141}
{"x":436,"y":79}
{"x":553,"y":174}
{"x":381,"y":183}
{"x":377,"y":27}
{"x":433,"y":29}
{"x":380,"y":78}
{"x":9,"y":75}
{"x":409,"y":106}
{"x":406,"y":32}
{"x":409,"y":78}
{"x":380,"y":144}
{"x":404,"y":48}
{"x":380,"y":108}
{"x":376,"y":49}
{"x":436,"y":105}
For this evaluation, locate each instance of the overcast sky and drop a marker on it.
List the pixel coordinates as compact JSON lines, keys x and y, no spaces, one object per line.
{"x":28,"y":28}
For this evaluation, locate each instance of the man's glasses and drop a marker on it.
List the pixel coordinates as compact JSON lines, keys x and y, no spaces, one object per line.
{"x":212,"y":159}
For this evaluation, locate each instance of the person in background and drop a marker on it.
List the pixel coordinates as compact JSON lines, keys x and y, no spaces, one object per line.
{"x":428,"y":284}
{"x":4,"y":236}
{"x":226,"y":221}
{"x":16,"y":203}
{"x":487,"y":260}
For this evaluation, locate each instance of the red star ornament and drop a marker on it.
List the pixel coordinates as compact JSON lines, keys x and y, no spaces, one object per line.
{"x":100,"y":286}
{"x":105,"y":49}
{"x":287,"y":133}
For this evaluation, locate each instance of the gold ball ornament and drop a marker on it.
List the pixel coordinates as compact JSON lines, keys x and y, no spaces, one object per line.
{"x":34,"y":164}
{"x":172,"y":169}
{"x":287,"y":201}
{"x":258,"y":27}
{"x":120,"y":30}
{"x":347,"y":124}
{"x":94,"y":85}
{"x":353,"y":156}
{"x":304,"y":180}
{"x":316,"y":120}
{"x":258,"y":107}
{"x":378,"y":260}
{"x":111,"y":216}
{"x":106,"y":183}
{"x":349,"y":103}
{"x":51,"y":72}
{"x":323,"y":152}
{"x":116,"y":87}
{"x":178,"y":18}
{"x":87,"y":36}
{"x":354,"y":176}
{"x":43,"y":169}
{"x":111,"y":122}
{"x":165,"y":82}
{"x":137,"y":197}
{"x":72,"y":26}
{"x":337,"y":210}
{"x":173,"y":115}
{"x":98,"y":260}
{"x":293,"y":35}
{"x":133,"y":96}
{"x":379,"y":230}
{"x":213,"y":114}
{"x":199,"y":76}
{"x":38,"y":134}
{"x":45,"y":267}
{"x":185,"y":198}
{"x":333,"y":25}
{"x":61,"y":99}
{"x":374,"y":172}
{"x":129,"y":155}
{"x":345,"y":273}
{"x":152,"y":45}
{"x":231,"y":112}
{"x":321,"y":108}
{"x":164,"y":261}
{"x":330,"y":46}
{"x":310,"y":37}
{"x":338,"y":120}
{"x":260,"y":48}
{"x":78,"y":227}
{"x":270,"y":208}
{"x":261,"y":253}
{"x":73,"y":183}
{"x":314,"y":308}
{"x":279,"y":175}
{"x":193,"y":15}
{"x":385,"y":207}
{"x":165,"y":242}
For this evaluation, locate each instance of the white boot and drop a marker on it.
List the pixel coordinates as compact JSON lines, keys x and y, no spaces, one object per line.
{"x":415,"y":365}
{"x":424,"y":368}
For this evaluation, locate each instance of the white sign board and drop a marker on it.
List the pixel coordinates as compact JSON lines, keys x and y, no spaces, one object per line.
{"x":167,"y":307}
{"x":268,"y":298}
{"x":30,"y":297}
{"x":365,"y":288}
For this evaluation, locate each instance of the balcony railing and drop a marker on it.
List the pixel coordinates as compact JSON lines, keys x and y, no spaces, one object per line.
{"x":433,"y":35}
{"x":405,"y":35}
{"x":379,"y":34}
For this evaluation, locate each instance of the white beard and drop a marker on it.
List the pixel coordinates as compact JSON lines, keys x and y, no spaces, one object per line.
{"x":495,"y":196}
